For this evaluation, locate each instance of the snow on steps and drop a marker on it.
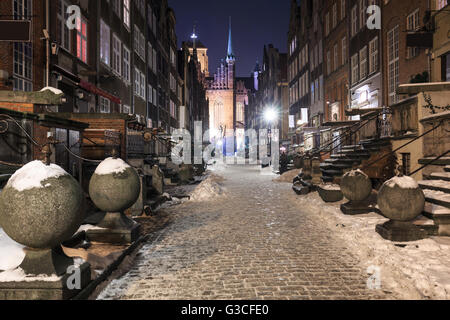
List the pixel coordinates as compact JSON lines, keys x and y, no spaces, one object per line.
{"x":437,"y":185}
{"x":437,"y":197}
{"x":440,"y":176}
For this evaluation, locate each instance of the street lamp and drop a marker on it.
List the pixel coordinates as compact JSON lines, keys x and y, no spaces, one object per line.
{"x":271,"y":116}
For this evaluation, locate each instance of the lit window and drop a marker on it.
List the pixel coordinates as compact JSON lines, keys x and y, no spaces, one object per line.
{"x":82,"y":36}
{"x":126,"y":13}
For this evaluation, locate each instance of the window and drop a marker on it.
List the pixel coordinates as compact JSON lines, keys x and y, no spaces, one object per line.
{"x":104,"y":42}
{"x":137,"y":82}
{"x":393,"y":64}
{"x":344,"y":50}
{"x":363,"y":63}
{"x":126,"y":109}
{"x":143,"y":86}
{"x":354,"y":21}
{"x":23,"y":51}
{"x":150,"y":93}
{"x":373,"y":51}
{"x":82,"y":35}
{"x":173,"y":57}
{"x":336,"y":57}
{"x":117,"y":55}
{"x":355,"y":69}
{"x":150,"y":56}
{"x":139,"y":42}
{"x":116,"y":7}
{"x":362,"y":13}
{"x":406,"y":163}
{"x":155,"y":68}
{"x":240,"y":114}
{"x":63,"y":33}
{"x":412,"y":24}
{"x":441,"y":4}
{"x":126,"y":13}
{"x":343,"y":9}
{"x":327,"y":24}
{"x":328,"y":62}
{"x":334,"y":15}
{"x":105,"y":105}
{"x":126,"y":72}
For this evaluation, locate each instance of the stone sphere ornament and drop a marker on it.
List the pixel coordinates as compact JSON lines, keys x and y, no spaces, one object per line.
{"x":41,"y":206}
{"x":356,"y":185}
{"x":357,"y":188}
{"x":401,"y":199}
{"x":115,"y":187}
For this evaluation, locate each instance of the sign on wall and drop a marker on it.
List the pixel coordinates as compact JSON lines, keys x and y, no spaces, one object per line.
{"x":15,"y":30}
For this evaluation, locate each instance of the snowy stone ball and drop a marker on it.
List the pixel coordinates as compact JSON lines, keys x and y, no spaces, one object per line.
{"x":401,"y":199}
{"x":41,"y":206}
{"x":114,"y":186}
{"x":356,"y":185}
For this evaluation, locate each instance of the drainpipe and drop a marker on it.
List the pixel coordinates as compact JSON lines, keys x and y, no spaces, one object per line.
{"x":47,"y":45}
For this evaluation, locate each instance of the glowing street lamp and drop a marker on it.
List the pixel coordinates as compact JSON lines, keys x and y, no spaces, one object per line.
{"x":270,"y":115}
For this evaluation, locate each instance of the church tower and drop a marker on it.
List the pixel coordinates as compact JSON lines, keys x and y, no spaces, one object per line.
{"x":231,"y":60}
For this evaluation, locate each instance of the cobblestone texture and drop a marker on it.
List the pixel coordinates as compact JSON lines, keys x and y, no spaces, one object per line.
{"x":254,"y":243}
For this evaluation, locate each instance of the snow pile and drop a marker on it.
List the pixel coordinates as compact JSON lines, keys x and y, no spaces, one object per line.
{"x":53,"y":90}
{"x":356,"y":172}
{"x":110,"y":166}
{"x":18,"y":275}
{"x":33,"y":174}
{"x":403,"y":182}
{"x":211,"y":187}
{"x":11,"y":253}
{"x":413,"y":270}
{"x":288,"y":176}
{"x":330,"y":187}
{"x":87,"y":227}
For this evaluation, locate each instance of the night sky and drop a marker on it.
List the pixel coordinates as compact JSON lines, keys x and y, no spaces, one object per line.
{"x":255,"y":23}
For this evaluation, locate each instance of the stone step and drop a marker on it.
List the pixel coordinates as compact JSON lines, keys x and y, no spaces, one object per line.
{"x":427,"y":224}
{"x":437,"y":197}
{"x":438,"y":185}
{"x":440,"y":176}
{"x":447,"y":168}
{"x":327,"y":179}
{"x":434,"y":210}
{"x":332,"y":173}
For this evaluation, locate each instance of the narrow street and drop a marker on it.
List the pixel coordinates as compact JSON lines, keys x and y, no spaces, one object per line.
{"x":254,"y":242}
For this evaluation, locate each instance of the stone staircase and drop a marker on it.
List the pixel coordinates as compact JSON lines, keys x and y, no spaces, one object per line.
{"x":334,"y":168}
{"x":437,"y":197}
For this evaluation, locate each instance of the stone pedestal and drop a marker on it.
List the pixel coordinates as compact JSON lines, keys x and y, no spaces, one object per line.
{"x":400,"y":231}
{"x":61,"y":289}
{"x":116,"y":228}
{"x":316,"y":173}
{"x":355,"y":207}
{"x":138,"y":208}
{"x":158,"y":180}
{"x":329,"y":194}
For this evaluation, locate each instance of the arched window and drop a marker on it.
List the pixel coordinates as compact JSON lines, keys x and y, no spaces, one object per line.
{"x":218,"y":114}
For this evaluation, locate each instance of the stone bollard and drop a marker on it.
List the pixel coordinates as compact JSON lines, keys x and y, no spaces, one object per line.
{"x":114,"y":187}
{"x":158,"y":180}
{"x":307,"y":168}
{"x":186,"y":173}
{"x":316,"y":174}
{"x":40,"y":207}
{"x":356,"y":187}
{"x":401,"y":200}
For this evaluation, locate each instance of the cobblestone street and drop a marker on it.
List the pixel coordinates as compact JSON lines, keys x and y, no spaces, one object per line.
{"x":253,"y":243}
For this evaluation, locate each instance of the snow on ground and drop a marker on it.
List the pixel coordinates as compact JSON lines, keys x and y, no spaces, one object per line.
{"x":33,"y":174}
{"x":288,"y":176}
{"x":210,"y":188}
{"x":416,"y":270}
{"x":110,"y":166}
{"x":11,"y":252}
{"x":18,"y":275}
